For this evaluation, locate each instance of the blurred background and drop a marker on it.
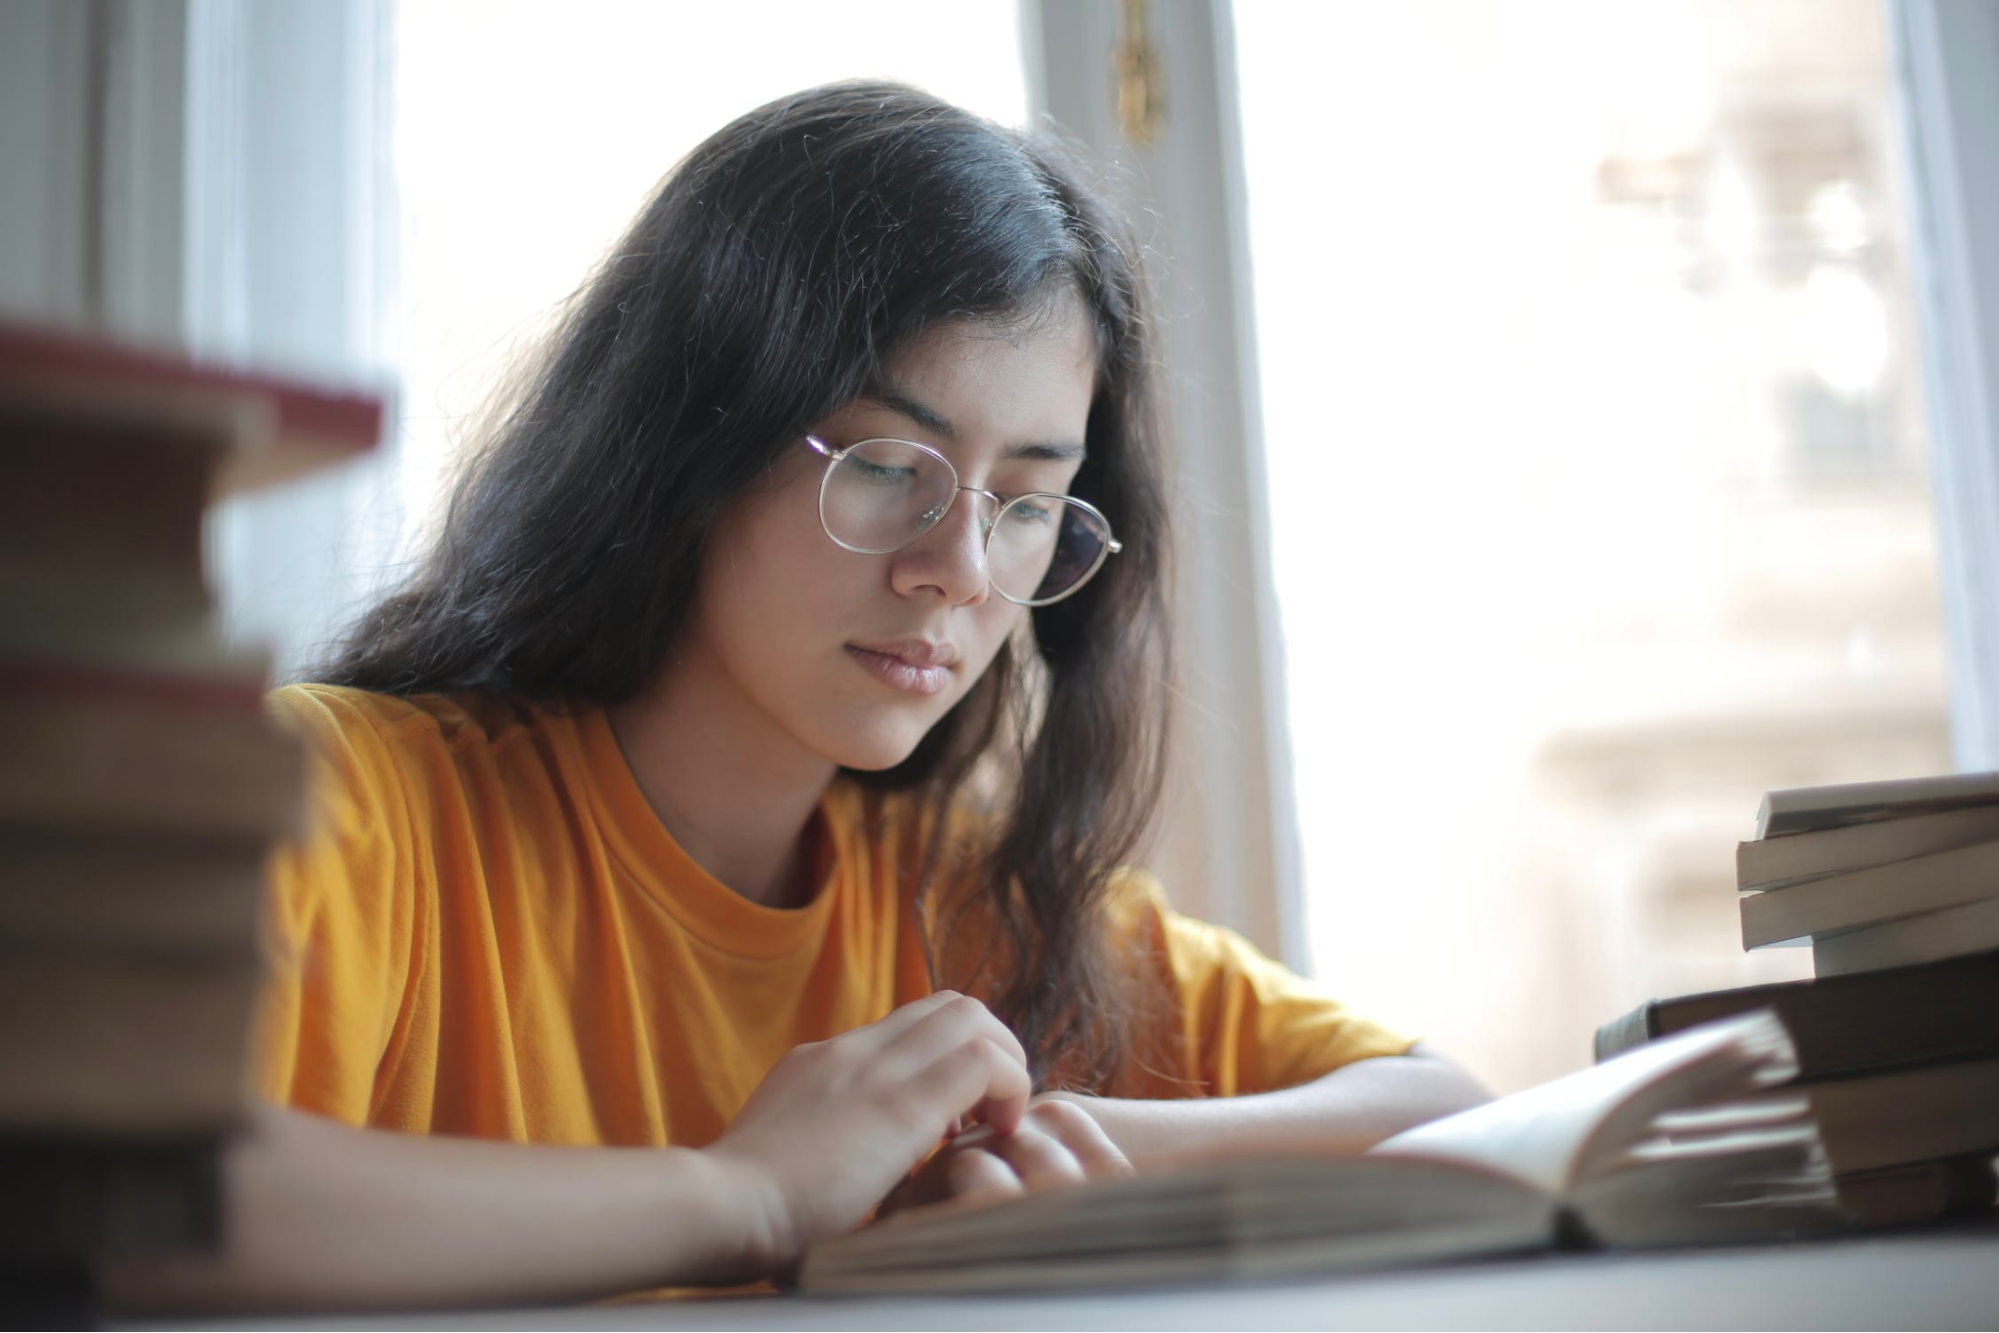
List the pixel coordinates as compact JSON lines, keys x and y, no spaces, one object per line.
{"x":1551,"y":394}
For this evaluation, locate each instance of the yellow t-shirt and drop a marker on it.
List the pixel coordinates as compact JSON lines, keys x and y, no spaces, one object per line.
{"x":488,"y":932}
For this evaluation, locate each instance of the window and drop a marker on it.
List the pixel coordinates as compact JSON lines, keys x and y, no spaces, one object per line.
{"x":528,"y":136}
{"x":456,"y":171}
{"x":1598,"y":493}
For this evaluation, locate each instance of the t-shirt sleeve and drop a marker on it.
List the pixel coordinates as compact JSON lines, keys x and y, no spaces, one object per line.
{"x":338,"y":921}
{"x":1239,"y":1022}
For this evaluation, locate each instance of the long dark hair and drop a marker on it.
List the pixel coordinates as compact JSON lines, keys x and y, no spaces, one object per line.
{"x":763,"y":287}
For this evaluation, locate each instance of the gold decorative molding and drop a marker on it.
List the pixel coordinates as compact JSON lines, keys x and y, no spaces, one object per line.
{"x":1136,"y":64}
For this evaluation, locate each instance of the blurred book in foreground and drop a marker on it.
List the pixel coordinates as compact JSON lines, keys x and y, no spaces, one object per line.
{"x":1691,"y":1139}
{"x":141,"y":785}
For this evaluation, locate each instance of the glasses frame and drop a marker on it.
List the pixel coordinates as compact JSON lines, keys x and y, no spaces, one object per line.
{"x":1001,"y":503}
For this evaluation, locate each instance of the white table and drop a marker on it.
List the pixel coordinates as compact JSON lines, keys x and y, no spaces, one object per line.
{"x":1930,"y":1279}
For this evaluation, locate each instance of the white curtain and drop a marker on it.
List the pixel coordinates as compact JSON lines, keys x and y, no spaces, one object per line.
{"x":215,"y":175}
{"x":1947,"y":79}
{"x":290,"y":257}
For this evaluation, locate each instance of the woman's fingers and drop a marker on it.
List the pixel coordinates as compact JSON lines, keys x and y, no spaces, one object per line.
{"x":1057,"y":1144}
{"x":1039,"y":1160}
{"x":1085,"y":1139}
{"x":941,"y":1017}
{"x":977,"y":1172}
{"x":899,"y":1020}
{"x":981,"y":1076}
{"x":942,"y":1028}
{"x":836,"y":1123}
{"x":833,"y":1126}
{"x":940,"y":1032}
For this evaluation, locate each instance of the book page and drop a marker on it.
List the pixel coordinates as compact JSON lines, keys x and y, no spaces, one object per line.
{"x":1251,"y":1215}
{"x":1552,"y":1135}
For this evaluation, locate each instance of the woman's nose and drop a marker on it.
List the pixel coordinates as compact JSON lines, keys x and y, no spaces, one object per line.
{"x":951,"y":557}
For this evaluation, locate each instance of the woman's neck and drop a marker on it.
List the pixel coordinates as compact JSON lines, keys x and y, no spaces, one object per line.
{"x":736,"y":792}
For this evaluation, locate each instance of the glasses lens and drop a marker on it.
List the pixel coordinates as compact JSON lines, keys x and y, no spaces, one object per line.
{"x":883,"y":495}
{"x":1044,"y":547}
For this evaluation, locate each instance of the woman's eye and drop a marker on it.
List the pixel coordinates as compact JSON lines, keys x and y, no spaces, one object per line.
{"x":1030,"y":513}
{"x":882,"y":476}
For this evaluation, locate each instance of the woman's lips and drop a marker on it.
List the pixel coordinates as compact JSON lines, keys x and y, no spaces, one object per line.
{"x":929,"y":673}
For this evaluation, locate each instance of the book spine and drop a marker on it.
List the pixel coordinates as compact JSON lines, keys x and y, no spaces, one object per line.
{"x":1631,"y":1030}
{"x":1800,"y":809}
{"x":1770,"y":863}
{"x":70,"y":1198}
{"x":1891,"y":1018}
{"x":40,"y":357}
{"x":1907,"y":1116}
{"x":1931,"y":937}
{"x":123,"y":1046}
{"x":1864,"y":897}
{"x":1919,"y":1193}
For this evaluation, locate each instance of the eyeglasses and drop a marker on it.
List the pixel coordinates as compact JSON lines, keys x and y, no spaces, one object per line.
{"x":881,"y":495}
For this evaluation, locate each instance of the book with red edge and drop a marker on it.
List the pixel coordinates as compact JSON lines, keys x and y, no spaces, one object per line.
{"x":126,"y":1047}
{"x":283,"y":426}
{"x":131,"y":894}
{"x":113,"y":452}
{"x":141,"y":786}
{"x":102,"y":752}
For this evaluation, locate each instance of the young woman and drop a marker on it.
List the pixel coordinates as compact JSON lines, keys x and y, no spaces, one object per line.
{"x":725,"y":831}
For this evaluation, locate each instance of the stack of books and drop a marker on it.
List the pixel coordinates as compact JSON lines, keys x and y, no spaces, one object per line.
{"x":1895,"y":887}
{"x":141,"y":785}
{"x":1875,"y":874}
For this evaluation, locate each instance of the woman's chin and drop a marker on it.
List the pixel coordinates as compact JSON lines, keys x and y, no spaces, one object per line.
{"x":878,"y":751}
{"x":875,"y":759}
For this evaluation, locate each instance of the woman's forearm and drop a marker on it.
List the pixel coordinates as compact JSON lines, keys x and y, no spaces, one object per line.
{"x":320,"y":1215}
{"x":1351,"y":1109}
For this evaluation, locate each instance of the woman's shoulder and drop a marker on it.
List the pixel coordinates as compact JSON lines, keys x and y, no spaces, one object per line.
{"x":388,"y":742}
{"x":329,"y":712}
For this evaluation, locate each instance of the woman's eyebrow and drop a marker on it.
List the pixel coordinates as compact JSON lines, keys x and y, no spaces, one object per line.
{"x":928,"y":417}
{"x":921,"y":413}
{"x":1046,"y":451}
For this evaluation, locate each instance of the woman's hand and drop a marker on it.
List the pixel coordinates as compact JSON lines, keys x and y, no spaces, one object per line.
{"x":1056,"y":1144}
{"x":836,"y":1124}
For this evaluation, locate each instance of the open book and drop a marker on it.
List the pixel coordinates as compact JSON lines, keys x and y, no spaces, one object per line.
{"x":1682,"y":1140}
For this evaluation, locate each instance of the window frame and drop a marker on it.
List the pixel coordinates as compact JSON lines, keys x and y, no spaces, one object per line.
{"x":1229,"y":849}
{"x":1946,"y":58}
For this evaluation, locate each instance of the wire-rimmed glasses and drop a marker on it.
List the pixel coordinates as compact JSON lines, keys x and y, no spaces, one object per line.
{"x":880,"y":495}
